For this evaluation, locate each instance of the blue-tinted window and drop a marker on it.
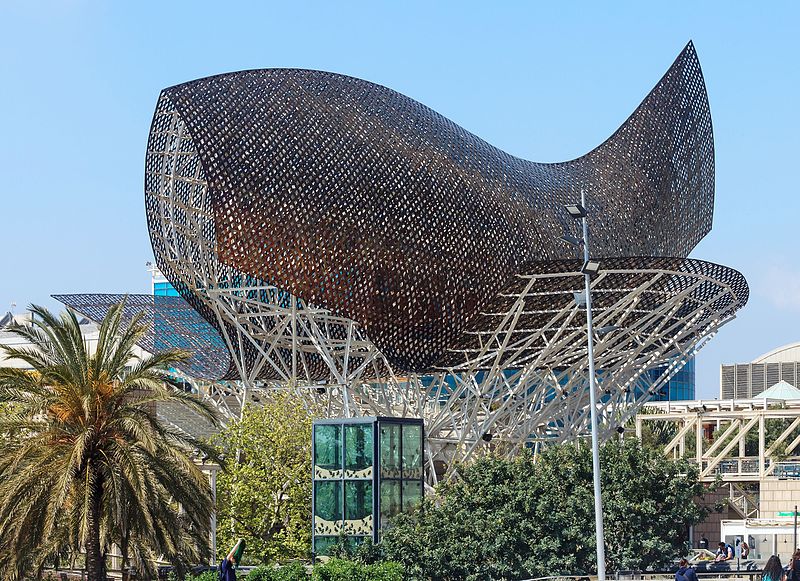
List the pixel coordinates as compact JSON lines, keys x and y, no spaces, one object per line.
{"x":680,"y":387}
{"x":164,"y":289}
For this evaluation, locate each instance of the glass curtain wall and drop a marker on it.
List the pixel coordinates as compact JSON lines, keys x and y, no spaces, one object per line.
{"x":363,"y":467}
{"x":402,"y":474}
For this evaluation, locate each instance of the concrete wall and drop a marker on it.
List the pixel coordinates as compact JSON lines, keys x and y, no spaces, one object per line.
{"x":711,"y":527}
{"x":778,"y":496}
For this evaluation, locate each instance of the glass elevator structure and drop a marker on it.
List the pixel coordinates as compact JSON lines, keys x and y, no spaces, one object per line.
{"x":365,"y":471}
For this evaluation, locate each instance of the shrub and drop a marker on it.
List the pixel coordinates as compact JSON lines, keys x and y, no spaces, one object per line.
{"x":204,"y":576}
{"x":386,"y":571}
{"x":342,"y":570}
{"x":291,"y":572}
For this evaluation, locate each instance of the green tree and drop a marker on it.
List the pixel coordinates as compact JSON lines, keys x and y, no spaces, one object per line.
{"x":773,"y":428}
{"x":86,"y":462}
{"x":510,"y":519}
{"x":656,"y":433}
{"x":265,"y":496}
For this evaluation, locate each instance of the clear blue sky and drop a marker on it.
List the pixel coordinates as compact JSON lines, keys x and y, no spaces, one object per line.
{"x":546,"y":81}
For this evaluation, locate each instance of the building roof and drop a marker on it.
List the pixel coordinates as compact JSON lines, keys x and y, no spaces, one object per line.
{"x":781,"y":390}
{"x":784,"y":354}
{"x":171,"y":323}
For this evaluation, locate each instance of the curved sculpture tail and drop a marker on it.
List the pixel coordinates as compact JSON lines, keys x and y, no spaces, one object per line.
{"x":653,"y":179}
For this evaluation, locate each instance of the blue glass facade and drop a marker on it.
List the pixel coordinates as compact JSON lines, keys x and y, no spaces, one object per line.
{"x":680,"y":387}
{"x":164,"y":289}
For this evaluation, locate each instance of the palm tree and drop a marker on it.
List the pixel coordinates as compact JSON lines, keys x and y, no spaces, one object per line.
{"x":84,"y":461}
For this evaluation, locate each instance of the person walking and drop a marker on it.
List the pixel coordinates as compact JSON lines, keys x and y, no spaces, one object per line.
{"x":685,"y":572}
{"x":773,"y":571}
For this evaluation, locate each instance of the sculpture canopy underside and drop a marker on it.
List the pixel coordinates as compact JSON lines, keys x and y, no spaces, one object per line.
{"x":523,"y":377}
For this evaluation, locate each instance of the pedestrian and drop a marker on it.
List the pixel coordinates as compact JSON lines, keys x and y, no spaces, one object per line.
{"x":724,"y":552}
{"x":793,"y":569}
{"x":227,"y":569}
{"x":685,"y":572}
{"x":745,"y":549}
{"x":773,"y":570}
{"x":704,"y":543}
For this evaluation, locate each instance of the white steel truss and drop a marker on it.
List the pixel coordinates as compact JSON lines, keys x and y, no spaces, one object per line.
{"x":520,"y":381}
{"x":521,"y":387}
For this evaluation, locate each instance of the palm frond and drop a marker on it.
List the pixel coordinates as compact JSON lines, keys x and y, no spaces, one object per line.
{"x":81,"y":431}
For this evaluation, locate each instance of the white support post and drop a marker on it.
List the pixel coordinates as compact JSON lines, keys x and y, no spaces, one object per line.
{"x":761,"y":445}
{"x":699,"y":441}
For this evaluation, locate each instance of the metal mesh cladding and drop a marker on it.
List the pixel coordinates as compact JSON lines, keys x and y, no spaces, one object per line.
{"x":674,"y":299}
{"x":171,"y":324}
{"x":363,"y":201}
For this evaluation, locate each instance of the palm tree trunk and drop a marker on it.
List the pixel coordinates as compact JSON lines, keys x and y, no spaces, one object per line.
{"x":94,"y":557}
{"x":124,"y":552}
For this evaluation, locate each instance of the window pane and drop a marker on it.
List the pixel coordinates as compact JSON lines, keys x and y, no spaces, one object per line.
{"x":358,"y":451}
{"x":358,"y":507}
{"x":327,"y":451}
{"x":412,"y":451}
{"x":390,"y":500}
{"x":412,"y":493}
{"x":322,"y":545}
{"x":390,"y":450}
{"x":327,"y":507}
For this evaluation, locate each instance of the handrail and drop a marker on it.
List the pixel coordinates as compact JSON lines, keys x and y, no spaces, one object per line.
{"x":653,"y":575}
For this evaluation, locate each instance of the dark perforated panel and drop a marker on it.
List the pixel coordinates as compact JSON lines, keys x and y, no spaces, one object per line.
{"x":360,"y":200}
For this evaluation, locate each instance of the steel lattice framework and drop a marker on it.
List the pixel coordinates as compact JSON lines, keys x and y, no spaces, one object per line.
{"x":345,"y":238}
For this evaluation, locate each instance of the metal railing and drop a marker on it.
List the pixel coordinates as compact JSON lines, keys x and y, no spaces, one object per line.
{"x":656,"y":576}
{"x":787,"y":470}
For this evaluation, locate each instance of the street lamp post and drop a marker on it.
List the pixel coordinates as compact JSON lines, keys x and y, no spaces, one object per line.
{"x":591,"y":267}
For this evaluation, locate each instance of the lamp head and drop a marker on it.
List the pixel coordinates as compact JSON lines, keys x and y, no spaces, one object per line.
{"x":590,"y":267}
{"x":605,"y":330}
{"x":576,"y":210}
{"x":570,"y":239}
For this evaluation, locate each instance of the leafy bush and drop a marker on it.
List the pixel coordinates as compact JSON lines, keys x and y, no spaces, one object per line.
{"x":205,"y":576}
{"x":342,"y":570}
{"x":515,"y":519}
{"x":291,"y":572}
{"x":386,"y":571}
